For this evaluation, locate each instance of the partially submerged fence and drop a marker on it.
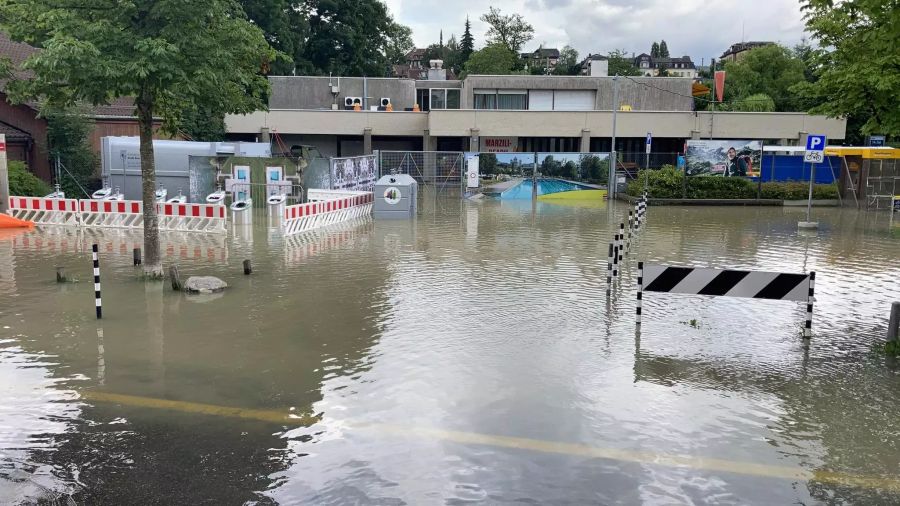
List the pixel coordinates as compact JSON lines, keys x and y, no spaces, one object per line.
{"x":326,"y":207}
{"x":118,"y":214}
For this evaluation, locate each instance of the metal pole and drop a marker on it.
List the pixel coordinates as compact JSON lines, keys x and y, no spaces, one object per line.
{"x":812,"y":179}
{"x":640,"y":293}
{"x":365,"y":104}
{"x":893,"y":333}
{"x":96,"y":258}
{"x":612,"y":154}
{"x":4,"y":177}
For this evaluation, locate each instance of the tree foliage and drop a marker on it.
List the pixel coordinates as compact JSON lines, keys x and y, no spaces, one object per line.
{"x":285,"y":27}
{"x":654,"y":50}
{"x":858,"y":68}
{"x":663,"y":49}
{"x":169,"y":55}
{"x":493,"y":59}
{"x":67,"y":140}
{"x":621,"y":65}
{"x":510,"y":30}
{"x":771,"y":70}
{"x":466,"y":43}
{"x":758,"y":102}
{"x":567,"y":64}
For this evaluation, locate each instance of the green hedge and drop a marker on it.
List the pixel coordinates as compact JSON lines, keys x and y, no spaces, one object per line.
{"x":24,"y":183}
{"x":669,"y":183}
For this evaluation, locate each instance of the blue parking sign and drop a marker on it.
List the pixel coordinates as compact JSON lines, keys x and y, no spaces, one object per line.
{"x":815,"y":149}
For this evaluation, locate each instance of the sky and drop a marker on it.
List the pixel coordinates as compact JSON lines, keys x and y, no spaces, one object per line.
{"x":697,"y":28}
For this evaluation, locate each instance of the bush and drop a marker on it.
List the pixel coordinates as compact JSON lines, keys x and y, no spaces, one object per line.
{"x":24,"y":183}
{"x":668,"y":183}
{"x":798,"y":191}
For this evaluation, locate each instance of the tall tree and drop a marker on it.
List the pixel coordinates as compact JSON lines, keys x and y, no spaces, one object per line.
{"x":621,"y":65}
{"x":654,"y":50}
{"x":67,"y":141}
{"x":510,"y":30}
{"x":285,"y":27}
{"x":467,"y":43}
{"x":399,"y":43}
{"x":771,"y":70}
{"x":857,"y":69}
{"x":567,"y":64}
{"x":493,"y":59}
{"x":152,"y":51}
{"x":663,"y":49}
{"x":348,"y":37}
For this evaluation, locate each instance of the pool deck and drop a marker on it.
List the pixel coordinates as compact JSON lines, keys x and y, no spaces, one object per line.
{"x":495,"y":190}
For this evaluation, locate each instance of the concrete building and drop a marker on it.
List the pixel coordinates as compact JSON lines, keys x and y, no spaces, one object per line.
{"x":595,"y":65}
{"x":680,"y":66}
{"x":541,"y":58}
{"x":524,"y":113}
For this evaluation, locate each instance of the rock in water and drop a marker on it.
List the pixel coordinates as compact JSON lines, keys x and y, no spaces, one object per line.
{"x":204,"y":284}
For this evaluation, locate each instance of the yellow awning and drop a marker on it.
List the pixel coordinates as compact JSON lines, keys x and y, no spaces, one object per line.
{"x":865,"y":152}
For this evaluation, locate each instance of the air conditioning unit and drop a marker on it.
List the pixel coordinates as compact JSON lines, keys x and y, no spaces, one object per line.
{"x":351,"y":101}
{"x":385,"y":101}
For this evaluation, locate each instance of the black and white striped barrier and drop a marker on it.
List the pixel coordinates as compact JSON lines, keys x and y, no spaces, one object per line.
{"x":96,"y":256}
{"x":729,"y":283}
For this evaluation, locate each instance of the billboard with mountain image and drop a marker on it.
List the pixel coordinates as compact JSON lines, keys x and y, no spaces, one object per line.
{"x":728,"y":158}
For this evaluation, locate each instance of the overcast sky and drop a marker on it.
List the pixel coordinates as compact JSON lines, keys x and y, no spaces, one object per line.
{"x":698,"y":28}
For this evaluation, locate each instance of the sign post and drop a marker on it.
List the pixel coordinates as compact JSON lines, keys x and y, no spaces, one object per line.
{"x":4,"y":177}
{"x":647,"y":163}
{"x":815,"y":154}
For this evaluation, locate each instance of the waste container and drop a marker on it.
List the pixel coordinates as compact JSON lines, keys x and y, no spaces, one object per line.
{"x":395,"y":197}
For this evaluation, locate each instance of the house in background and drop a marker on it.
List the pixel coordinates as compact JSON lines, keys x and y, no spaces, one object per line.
{"x":542,"y":58}
{"x":674,"y":67}
{"x":26,"y":132}
{"x":415,"y":66}
{"x":595,"y":65}
{"x":737,"y":51}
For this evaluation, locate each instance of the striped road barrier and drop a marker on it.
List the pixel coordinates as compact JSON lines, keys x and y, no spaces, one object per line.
{"x":111,"y":213}
{"x":192,"y":217}
{"x":728,"y":283}
{"x":312,"y":215}
{"x":45,"y":211}
{"x":95,"y":255}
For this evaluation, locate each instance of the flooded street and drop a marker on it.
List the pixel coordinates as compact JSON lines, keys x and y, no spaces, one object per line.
{"x":470,"y":356}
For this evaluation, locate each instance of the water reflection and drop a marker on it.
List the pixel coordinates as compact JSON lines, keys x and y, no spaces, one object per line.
{"x":467,"y":356}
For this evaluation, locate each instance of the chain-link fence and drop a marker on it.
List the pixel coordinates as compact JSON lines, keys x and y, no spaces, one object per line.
{"x":444,"y":169}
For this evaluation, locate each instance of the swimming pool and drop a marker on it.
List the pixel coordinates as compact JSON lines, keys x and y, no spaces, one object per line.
{"x":545,"y":186}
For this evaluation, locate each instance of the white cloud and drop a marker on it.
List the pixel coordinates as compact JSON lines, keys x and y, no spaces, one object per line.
{"x":698,"y":28}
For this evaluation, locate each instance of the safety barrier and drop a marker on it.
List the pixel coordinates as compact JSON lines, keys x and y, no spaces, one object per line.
{"x":111,"y":213}
{"x":118,"y":214}
{"x":729,"y":283}
{"x":620,"y":246}
{"x":191,"y":217}
{"x":122,"y":243}
{"x":342,"y":206}
{"x":45,"y":211}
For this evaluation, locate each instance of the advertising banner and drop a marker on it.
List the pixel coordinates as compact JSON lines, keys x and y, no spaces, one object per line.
{"x":356,"y":173}
{"x":735,"y":158}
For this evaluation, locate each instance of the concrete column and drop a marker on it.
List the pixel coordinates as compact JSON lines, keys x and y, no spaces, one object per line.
{"x":264,"y":135}
{"x":695,"y":135}
{"x":367,"y":141}
{"x":4,"y":176}
{"x":428,"y":142}
{"x":585,"y":140}
{"x":474,"y":144}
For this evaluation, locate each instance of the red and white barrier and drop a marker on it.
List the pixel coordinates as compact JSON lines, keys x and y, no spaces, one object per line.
{"x":112,"y":213}
{"x":192,"y":217}
{"x":346,"y":206}
{"x":45,"y":211}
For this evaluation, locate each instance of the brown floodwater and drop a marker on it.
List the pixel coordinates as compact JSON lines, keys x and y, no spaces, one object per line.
{"x":469,"y":356}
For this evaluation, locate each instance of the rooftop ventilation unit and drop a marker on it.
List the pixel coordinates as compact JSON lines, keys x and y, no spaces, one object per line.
{"x":385,"y":101}
{"x":351,"y":101}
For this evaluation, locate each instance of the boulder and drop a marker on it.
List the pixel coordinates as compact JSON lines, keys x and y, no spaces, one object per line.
{"x":204,"y":284}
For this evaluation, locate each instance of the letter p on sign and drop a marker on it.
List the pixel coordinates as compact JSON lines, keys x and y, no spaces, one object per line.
{"x":815,"y":149}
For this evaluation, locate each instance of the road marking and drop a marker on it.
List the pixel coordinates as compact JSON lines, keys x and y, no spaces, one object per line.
{"x":578,"y":450}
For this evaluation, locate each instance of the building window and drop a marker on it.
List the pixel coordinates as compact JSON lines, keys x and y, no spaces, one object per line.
{"x":422,"y":98}
{"x":485,"y":99}
{"x":443,"y":98}
{"x":438,"y":99}
{"x":452,"y":99}
{"x":512,"y":100}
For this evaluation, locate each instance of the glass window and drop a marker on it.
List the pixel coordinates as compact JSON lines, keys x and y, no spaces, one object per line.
{"x":512,"y":101}
{"x":452,"y":99}
{"x":438,"y":99}
{"x":422,"y":99}
{"x":485,"y":101}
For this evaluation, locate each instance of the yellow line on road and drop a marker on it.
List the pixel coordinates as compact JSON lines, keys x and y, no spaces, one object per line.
{"x":578,"y":450}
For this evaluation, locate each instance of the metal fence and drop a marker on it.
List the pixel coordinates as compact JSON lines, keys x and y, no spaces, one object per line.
{"x":439,"y":168}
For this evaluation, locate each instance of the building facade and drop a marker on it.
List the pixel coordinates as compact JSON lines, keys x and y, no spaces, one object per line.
{"x":737,"y":51}
{"x":681,"y":66}
{"x":520,"y":113}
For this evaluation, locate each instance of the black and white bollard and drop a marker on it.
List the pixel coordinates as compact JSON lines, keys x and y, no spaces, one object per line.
{"x":616,"y":259}
{"x":96,"y":257}
{"x":807,"y":330}
{"x":621,"y":242}
{"x":609,"y":266}
{"x":640,"y":293}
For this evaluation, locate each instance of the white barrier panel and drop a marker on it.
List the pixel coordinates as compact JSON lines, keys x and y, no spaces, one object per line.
{"x":349,"y":205}
{"x":112,"y":213}
{"x":45,"y":211}
{"x":191,"y":217}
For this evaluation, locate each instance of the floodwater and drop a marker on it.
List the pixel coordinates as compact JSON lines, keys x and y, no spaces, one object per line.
{"x":470,"y":356}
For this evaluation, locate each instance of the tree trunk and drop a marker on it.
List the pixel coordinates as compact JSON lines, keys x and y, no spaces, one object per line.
{"x":152,"y":264}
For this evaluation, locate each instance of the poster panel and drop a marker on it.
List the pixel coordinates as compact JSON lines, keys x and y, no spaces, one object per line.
{"x":356,"y":173}
{"x":723,"y":158}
